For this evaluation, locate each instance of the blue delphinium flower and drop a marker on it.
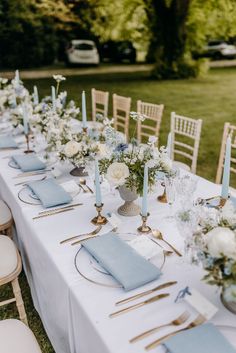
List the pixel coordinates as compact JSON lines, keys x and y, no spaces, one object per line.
{"x":121,"y":147}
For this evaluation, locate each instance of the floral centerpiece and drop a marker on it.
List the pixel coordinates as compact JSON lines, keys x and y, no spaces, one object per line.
{"x":44,"y":115}
{"x":13,"y":95}
{"x":124,"y":167}
{"x":79,"y":151}
{"x":216,"y":244}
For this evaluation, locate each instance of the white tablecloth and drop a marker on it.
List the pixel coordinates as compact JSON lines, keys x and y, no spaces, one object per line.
{"x":74,"y":311}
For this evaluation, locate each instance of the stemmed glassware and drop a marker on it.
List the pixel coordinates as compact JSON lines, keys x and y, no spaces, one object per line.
{"x":170,"y":193}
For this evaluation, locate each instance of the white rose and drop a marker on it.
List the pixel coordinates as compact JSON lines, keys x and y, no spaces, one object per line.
{"x":71,"y":148}
{"x":103,"y":150}
{"x":166,"y":164}
{"x":117,"y":173}
{"x":221,"y":241}
{"x":152,"y":140}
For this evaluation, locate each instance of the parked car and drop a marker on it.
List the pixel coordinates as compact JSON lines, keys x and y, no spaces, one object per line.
{"x":81,"y":51}
{"x":219,"y":49}
{"x":118,"y":51}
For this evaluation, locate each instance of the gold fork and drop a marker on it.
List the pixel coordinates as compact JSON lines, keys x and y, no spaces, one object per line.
{"x":95,"y":231}
{"x":178,"y":321}
{"x":91,"y":236}
{"x":198,"y":321}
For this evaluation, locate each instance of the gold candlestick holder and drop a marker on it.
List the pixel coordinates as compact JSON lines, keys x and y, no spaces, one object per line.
{"x":222,"y":202}
{"x":144,"y":228}
{"x":162,"y":198}
{"x":99,"y":219}
{"x":85,"y":130}
{"x":27,"y":136}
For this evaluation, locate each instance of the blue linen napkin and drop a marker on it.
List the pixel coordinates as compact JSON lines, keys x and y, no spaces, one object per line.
{"x":121,"y":261}
{"x":7,"y":142}
{"x":49,"y":192}
{"x":202,"y":339}
{"x":28,"y":162}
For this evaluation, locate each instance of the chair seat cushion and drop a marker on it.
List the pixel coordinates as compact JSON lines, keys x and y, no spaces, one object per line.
{"x":16,"y":337}
{"x":5,"y":213}
{"x":8,"y":256}
{"x":182,"y":166}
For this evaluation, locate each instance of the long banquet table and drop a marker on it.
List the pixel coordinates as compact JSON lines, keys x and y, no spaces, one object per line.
{"x":74,"y":311}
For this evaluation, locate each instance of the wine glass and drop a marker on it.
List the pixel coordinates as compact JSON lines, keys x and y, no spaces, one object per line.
{"x":170,"y":193}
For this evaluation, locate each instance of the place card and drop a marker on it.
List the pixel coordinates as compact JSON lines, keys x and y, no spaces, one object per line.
{"x":70,"y":186}
{"x":145,"y":247}
{"x":201,"y":304}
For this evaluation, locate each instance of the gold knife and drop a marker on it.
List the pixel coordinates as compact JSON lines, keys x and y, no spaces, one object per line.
{"x":137,"y":296}
{"x":60,"y":208}
{"x":135,"y":306}
{"x":52,"y":213}
{"x":26,"y":174}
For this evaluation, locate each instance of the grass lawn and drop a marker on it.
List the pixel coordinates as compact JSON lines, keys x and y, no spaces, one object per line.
{"x":213,"y":99}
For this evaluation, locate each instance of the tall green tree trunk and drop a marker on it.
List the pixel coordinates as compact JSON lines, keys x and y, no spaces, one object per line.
{"x":167,"y":49}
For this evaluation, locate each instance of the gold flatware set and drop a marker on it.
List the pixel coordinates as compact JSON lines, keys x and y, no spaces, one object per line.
{"x":137,"y":296}
{"x":138,"y":305}
{"x":196,"y":322}
{"x":176,"y":322}
{"x":55,"y":211}
{"x":95,"y":231}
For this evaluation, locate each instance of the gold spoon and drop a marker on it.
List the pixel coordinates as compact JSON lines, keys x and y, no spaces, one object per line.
{"x":158,"y":235}
{"x":83,"y":182}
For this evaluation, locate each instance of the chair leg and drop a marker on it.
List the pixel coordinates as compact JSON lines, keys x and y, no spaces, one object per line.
{"x":19,"y":301}
{"x":9,"y":232}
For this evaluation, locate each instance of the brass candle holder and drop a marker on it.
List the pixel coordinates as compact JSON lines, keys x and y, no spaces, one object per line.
{"x":162,"y":198}
{"x":85,"y":130}
{"x":144,"y":228}
{"x":222,"y":202}
{"x":27,"y":136}
{"x":99,"y":219}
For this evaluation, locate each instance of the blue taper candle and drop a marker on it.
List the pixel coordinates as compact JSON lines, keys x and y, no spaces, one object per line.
{"x":226,"y":173}
{"x":53,"y":98}
{"x":17,"y":77}
{"x":84,"y":114}
{"x":169,"y":145}
{"x":25,"y":120}
{"x":36,"y":96}
{"x":145,"y":191}
{"x":97,"y":185}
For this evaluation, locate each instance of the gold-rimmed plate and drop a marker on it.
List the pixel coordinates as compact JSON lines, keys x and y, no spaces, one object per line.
{"x":27,"y":196}
{"x":87,"y":266}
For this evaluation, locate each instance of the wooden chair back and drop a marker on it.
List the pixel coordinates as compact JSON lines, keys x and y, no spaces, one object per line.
{"x":228,"y":130}
{"x":121,"y":112}
{"x":100,"y":101}
{"x":151,"y":125}
{"x":187,"y":129}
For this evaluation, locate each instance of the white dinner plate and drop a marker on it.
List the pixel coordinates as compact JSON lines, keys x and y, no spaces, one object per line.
{"x":229,"y":332}
{"x":90,"y":270}
{"x":27,"y":196}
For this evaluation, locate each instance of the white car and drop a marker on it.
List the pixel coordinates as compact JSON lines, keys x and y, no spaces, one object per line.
{"x":82,"y":52}
{"x":218,"y":49}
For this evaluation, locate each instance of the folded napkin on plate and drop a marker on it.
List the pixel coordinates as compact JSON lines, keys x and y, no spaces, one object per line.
{"x":121,"y":261}
{"x":7,"y":142}
{"x":202,"y":339}
{"x":49,"y":192}
{"x":28,"y":162}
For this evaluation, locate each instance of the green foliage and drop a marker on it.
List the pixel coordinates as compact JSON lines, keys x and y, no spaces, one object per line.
{"x":29,"y":31}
